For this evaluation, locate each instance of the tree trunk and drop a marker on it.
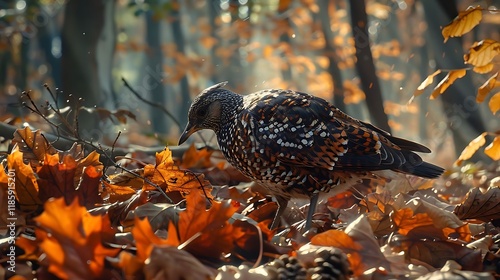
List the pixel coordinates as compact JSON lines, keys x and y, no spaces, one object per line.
{"x":83,"y":23}
{"x":365,"y":66}
{"x":333,"y":69}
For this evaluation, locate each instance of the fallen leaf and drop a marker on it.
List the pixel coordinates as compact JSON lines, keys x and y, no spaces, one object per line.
{"x":436,"y":253}
{"x":486,"y":88}
{"x":167,"y":262}
{"x":447,"y":81}
{"x":33,"y":145}
{"x":194,"y":158}
{"x":481,"y":206}
{"x":71,"y":239}
{"x":493,"y":149}
{"x":483,"y":69}
{"x":482,"y":53}
{"x":472,"y":148}
{"x":494,"y":103}
{"x":56,"y":179}
{"x":26,"y":185}
{"x":463,"y":23}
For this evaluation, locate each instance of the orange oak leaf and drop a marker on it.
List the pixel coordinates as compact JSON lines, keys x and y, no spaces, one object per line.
{"x":463,"y":23}
{"x":472,"y":148}
{"x":26,"y":186}
{"x":114,"y":193}
{"x":71,"y":238}
{"x":482,"y":53}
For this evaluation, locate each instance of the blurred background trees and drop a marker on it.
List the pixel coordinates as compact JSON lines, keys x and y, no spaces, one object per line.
{"x":367,"y":57}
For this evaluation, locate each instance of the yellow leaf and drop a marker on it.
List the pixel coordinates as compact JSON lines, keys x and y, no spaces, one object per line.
{"x":482,"y":53}
{"x":493,"y":149}
{"x":473,"y":146}
{"x":486,"y":88}
{"x":494,"y":103}
{"x":428,"y":81}
{"x":483,"y":69}
{"x":448,"y":81}
{"x":463,"y":23}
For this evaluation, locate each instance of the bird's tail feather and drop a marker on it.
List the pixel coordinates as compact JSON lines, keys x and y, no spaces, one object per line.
{"x":425,"y":169}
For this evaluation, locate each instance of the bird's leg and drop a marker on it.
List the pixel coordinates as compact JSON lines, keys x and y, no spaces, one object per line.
{"x":312,"y":208}
{"x":282,"y":203}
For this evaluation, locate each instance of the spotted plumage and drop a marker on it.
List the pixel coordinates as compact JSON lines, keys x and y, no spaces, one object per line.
{"x":296,"y":144}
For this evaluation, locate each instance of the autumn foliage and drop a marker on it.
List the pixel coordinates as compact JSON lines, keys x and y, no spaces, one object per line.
{"x":77,"y":221}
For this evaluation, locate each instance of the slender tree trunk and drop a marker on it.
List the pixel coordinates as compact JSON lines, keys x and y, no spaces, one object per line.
{"x":83,"y":23}
{"x":184,"y":85}
{"x":213,"y":12}
{"x":153,"y":79}
{"x":365,"y":66}
{"x":333,"y":69}
{"x":459,"y":102}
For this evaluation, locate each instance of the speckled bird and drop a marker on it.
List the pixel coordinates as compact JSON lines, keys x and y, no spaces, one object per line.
{"x":296,"y":144}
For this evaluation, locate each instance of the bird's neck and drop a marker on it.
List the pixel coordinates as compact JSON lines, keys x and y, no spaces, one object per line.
{"x":231,"y":107}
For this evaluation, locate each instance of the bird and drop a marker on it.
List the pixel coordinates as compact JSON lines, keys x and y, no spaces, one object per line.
{"x":299,"y":145}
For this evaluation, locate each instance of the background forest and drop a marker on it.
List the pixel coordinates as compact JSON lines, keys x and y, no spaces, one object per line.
{"x":94,"y":95}
{"x":168,"y":51}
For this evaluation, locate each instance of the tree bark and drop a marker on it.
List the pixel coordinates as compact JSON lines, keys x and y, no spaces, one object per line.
{"x":365,"y":66}
{"x":83,"y":23}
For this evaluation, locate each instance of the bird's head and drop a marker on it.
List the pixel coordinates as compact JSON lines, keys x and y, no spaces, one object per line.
{"x":210,"y":109}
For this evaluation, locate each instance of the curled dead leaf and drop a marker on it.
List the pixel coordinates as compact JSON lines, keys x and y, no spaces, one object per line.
{"x":493,"y":149}
{"x":447,"y":81}
{"x":472,"y":148}
{"x":463,"y":23}
{"x":486,"y":88}
{"x":481,"y":206}
{"x":482,"y":53}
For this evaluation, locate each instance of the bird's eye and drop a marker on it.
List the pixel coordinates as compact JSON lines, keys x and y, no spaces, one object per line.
{"x":201,"y":112}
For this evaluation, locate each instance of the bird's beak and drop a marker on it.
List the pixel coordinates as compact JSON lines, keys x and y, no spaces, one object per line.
{"x":190,"y":129}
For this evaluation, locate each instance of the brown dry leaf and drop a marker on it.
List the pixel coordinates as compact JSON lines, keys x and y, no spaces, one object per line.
{"x":481,"y":206}
{"x":437,"y":253}
{"x":457,"y":275}
{"x":463,"y":23}
{"x":352,"y":93}
{"x":194,"y":158}
{"x":486,"y":88}
{"x":91,"y":160}
{"x":208,"y":41}
{"x":494,"y":103}
{"x":26,"y":185}
{"x":167,"y":262}
{"x":33,"y":145}
{"x":493,"y":149}
{"x":427,"y":82}
{"x":56,"y":179}
{"x":216,"y":234}
{"x":88,"y":187}
{"x":406,"y":220}
{"x":472,"y":148}
{"x":71,"y":238}
{"x":482,"y":53}
{"x":447,"y":81}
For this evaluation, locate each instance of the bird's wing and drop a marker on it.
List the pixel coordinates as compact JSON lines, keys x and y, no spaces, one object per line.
{"x":302,"y":130}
